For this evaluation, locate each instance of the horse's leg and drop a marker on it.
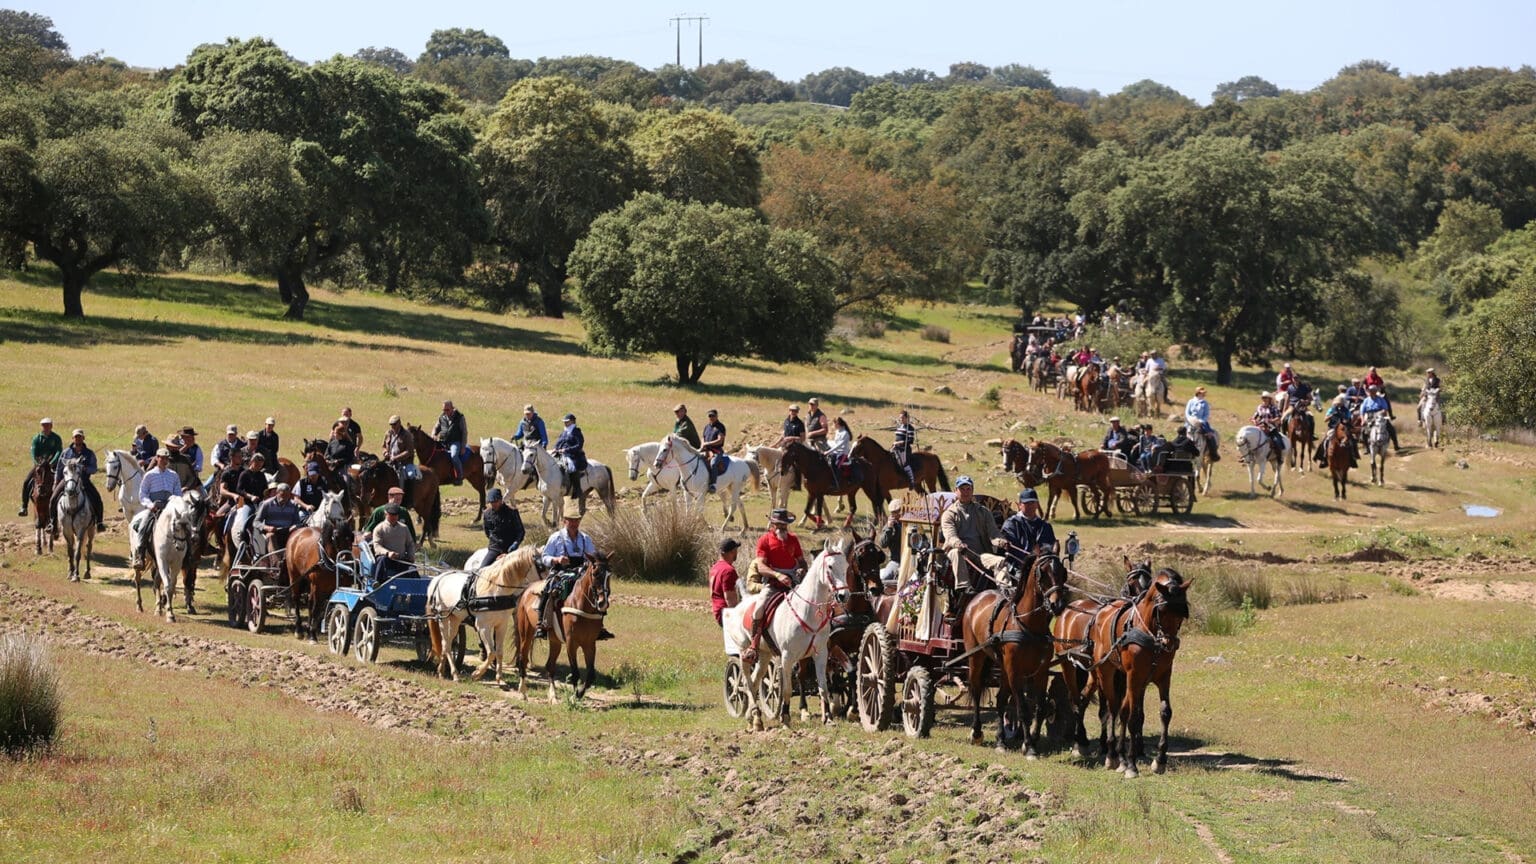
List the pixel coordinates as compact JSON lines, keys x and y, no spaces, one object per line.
{"x":453,"y":623}
{"x":1037,"y":693}
{"x":977,"y":668}
{"x":487,"y":637}
{"x":822,"y":688}
{"x":549,"y":667}
{"x":570,"y":653}
{"x":1165,"y":714}
{"x":754,"y":678}
{"x":589,"y":649}
{"x":1131,"y":719}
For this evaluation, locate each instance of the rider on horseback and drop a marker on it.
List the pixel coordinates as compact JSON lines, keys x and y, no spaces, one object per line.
{"x":451,"y":432}
{"x":75,"y":452}
{"x":1374,"y":404}
{"x":1267,"y":418}
{"x":840,"y":448}
{"x":794,"y":428}
{"x":564,"y":555}
{"x":531,"y":427}
{"x":779,"y":563}
{"x":816,"y":426}
{"x":570,"y":449}
{"x":399,"y":446}
{"x":713,"y":446}
{"x":267,"y":442}
{"x":159,"y":485}
{"x":1339,"y":412}
{"x":1431,"y":382}
{"x":1197,"y":413}
{"x":46,"y":446}
{"x":901,"y":446}
{"x":144,"y":446}
{"x":341,"y":450}
{"x":1285,"y":379}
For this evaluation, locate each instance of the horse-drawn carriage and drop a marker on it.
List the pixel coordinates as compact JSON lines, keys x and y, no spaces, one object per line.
{"x":364,"y":615}
{"x":1170,"y":483}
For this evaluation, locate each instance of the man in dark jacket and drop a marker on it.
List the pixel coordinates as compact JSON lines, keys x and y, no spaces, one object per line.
{"x":451,"y":432}
{"x":46,"y":447}
{"x":503,"y":527}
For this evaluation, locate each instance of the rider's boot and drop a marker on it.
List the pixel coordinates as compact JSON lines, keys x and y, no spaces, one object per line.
{"x":749,"y":657}
{"x":540,"y":631}
{"x":1215,"y":446}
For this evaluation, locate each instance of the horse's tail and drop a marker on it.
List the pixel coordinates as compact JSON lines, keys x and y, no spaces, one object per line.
{"x":943,"y":475}
{"x":756,"y":471}
{"x":435,"y":635}
{"x":433,"y":517}
{"x":606,"y":493}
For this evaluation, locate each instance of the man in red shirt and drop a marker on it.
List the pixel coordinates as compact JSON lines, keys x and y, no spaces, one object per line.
{"x":722,"y":579}
{"x":778,"y":565}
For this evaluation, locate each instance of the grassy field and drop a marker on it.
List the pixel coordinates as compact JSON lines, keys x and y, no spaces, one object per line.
{"x":1392,"y":722}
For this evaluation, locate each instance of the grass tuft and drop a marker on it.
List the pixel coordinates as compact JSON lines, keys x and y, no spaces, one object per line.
{"x":935,"y":333}
{"x":992,"y":397}
{"x":348,"y":800}
{"x":30,"y":701}
{"x":666,"y":543}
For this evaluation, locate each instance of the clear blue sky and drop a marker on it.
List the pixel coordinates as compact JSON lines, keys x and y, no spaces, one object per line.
{"x":1191,"y":45}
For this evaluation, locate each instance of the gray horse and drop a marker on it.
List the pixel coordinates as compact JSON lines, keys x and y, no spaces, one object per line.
{"x":76,"y":519}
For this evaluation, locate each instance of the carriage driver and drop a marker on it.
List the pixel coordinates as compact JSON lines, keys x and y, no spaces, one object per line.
{"x":713,"y":446}
{"x":46,"y":447}
{"x":393,"y":543}
{"x":159,"y":485}
{"x":395,"y":495}
{"x":275,"y":518}
{"x":777,"y":565}
{"x":564,"y":554}
{"x":1026,"y":532}
{"x":969,"y":530}
{"x":1267,"y":418}
{"x":76,"y":451}
{"x":503,"y":525}
{"x":1197,"y":413}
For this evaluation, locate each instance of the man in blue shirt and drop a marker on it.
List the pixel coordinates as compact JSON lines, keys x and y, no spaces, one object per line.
{"x":144,"y":446}
{"x":1026,"y":532}
{"x":566,"y":552}
{"x":75,"y":452}
{"x":1376,"y":402}
{"x":532,"y":428}
{"x":1115,"y":440}
{"x":570,"y":449}
{"x":159,"y":485}
{"x":1197,"y":413}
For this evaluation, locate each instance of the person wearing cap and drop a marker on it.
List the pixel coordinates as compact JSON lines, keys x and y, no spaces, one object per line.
{"x":1376,"y":402}
{"x":1026,"y":533}
{"x":353,"y":429}
{"x":531,"y":428}
{"x":46,"y":447}
{"x":1284,"y":379}
{"x":683,"y":427}
{"x":340,"y":450}
{"x":778,"y":563}
{"x":1267,"y":418}
{"x":275,"y":519}
{"x":267,"y":441}
{"x":571,"y":451}
{"x":566,"y":551}
{"x":86,"y":457}
{"x":816,"y":425}
{"x":144,"y":446}
{"x":503,"y":527}
{"x":968,"y":529}
{"x":904,"y":439}
{"x":312,"y":488}
{"x":222,"y":450}
{"x":394,"y":544}
{"x":1115,"y":439}
{"x":723,"y":578}
{"x":1197,"y":413}
{"x":1431,"y":382}
{"x":712,"y":445}
{"x":399,"y":446}
{"x":157,"y":487}
{"x":1340,"y":411}
{"x":452,"y":433}
{"x":395,"y":495}
{"x":794,"y":428}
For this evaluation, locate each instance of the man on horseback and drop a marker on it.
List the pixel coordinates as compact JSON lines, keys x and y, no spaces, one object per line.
{"x":185,"y":444}
{"x":399,"y":448}
{"x":159,"y":485}
{"x":353,"y":429}
{"x":1431,"y":382}
{"x":794,"y":429}
{"x":903,"y":440}
{"x":1373,"y":379}
{"x":713,"y":447}
{"x":968,"y":529}
{"x":451,"y":432}
{"x":1375,"y":403}
{"x":571,"y":450}
{"x":340,"y":450}
{"x":1197,"y":413}
{"x":222,"y":452}
{"x":779,"y":563}
{"x":75,"y":452}
{"x":312,"y":488}
{"x":503,"y":527}
{"x":564,"y":555}
{"x":684,"y":427}
{"x":1267,"y":418}
{"x":1339,"y":412}
{"x":267,"y":442}
{"x":393,"y":543}
{"x":395,"y":496}
{"x":531,"y":428}
{"x":250,"y":489}
{"x":46,"y":447}
{"x":1026,"y":532}
{"x":275,"y":519}
{"x":1355,"y":392}
{"x":144,"y":446}
{"x":1285,"y":379}
{"x":816,"y":426}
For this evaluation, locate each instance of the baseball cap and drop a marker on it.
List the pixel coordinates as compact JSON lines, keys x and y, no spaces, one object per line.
{"x":679,"y":407}
{"x":965,"y":480}
{"x":728,"y":544}
{"x":493,"y":495}
{"x":393,"y":509}
{"x":271,"y":421}
{"x":396,"y":490}
{"x":48,"y":421}
{"x":162,"y":452}
{"x":232,"y":429}
{"x":1027,"y":495}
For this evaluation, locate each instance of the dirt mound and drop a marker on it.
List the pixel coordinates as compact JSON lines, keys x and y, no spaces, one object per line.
{"x":1506,"y":592}
{"x":1509,"y":710}
{"x":1369,"y":555}
{"x":666,"y":604}
{"x":1189,"y":550}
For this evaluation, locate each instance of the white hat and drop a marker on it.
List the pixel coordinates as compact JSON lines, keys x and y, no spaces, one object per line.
{"x":48,"y":421}
{"x":232,"y":429}
{"x":271,"y":421}
{"x":252,"y":435}
{"x":79,"y":432}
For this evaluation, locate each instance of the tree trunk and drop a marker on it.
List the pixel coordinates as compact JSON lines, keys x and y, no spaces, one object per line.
{"x":1223,"y":357}
{"x":74,"y":285}
{"x":689,"y":370}
{"x":290,"y":285}
{"x":551,"y":280}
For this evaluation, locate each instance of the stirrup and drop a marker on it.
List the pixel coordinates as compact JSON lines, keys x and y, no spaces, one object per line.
{"x":540,"y":632}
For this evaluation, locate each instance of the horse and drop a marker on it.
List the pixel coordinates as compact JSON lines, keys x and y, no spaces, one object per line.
{"x":1085,"y":388}
{"x":675,"y":464}
{"x":1255,"y":449}
{"x":433,"y":455}
{"x":927,"y":469}
{"x":309,"y":558}
{"x":539,"y":465}
{"x":496,"y":592}
{"x":375,"y":478}
{"x":1378,"y":437}
{"x":1068,"y":470}
{"x":124,"y":477}
{"x":800,"y":627}
{"x":1119,"y":387}
{"x":1431,"y":417}
{"x":1204,"y":464}
{"x":1301,"y":435}
{"x":820,"y":481}
{"x":1339,"y":456}
{"x":42,"y":494}
{"x":174,"y":540}
{"x":1011,"y":626}
{"x":770,"y":461}
{"x":577,"y":625}
{"x":1150,"y":391}
{"x":285,"y":472}
{"x":503,"y":460}
{"x":1040,"y":372}
{"x":76,"y":519}
{"x":1134,"y":644}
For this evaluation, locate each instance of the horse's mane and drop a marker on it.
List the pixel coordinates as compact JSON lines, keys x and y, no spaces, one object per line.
{"x":520,"y":563}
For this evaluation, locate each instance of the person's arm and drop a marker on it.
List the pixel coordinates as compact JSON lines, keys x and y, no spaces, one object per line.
{"x":518,"y":532}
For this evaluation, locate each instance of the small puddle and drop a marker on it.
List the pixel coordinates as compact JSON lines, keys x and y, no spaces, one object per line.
{"x":1481,"y":510}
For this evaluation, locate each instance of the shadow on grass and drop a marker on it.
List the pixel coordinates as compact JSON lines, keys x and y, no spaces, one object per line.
{"x":780,"y":394}
{"x":1310,"y":507}
{"x":1413,"y":487}
{"x":1387,"y":505}
{"x":33,"y":326}
{"x":1180,"y":755}
{"x":857,"y":352}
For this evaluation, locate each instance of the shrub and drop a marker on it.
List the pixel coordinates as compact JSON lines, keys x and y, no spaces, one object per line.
{"x":870,"y":328}
{"x":935,"y":333}
{"x":992,"y":397}
{"x":666,"y":543}
{"x":29,"y":695}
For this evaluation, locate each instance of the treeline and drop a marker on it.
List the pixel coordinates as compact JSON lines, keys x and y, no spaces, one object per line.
{"x":1349,"y":222}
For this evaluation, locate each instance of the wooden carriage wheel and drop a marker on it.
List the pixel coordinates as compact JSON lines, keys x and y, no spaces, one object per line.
{"x":876,"y":678}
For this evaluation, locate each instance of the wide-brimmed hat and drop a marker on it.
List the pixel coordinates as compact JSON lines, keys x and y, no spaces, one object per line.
{"x":1430,"y":371}
{"x":1028,"y":495}
{"x":188,"y":430}
{"x":1265,"y":394}
{"x":572,"y":516}
{"x":780,"y":516}
{"x":141,"y":429}
{"x":1114,"y":419}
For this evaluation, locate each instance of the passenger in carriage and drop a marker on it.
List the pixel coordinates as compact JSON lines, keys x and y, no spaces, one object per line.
{"x":395,"y":496}
{"x":275,"y":519}
{"x":1115,"y":438}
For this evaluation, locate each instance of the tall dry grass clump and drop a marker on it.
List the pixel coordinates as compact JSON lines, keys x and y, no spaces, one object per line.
{"x":29,"y":695}
{"x":666,"y":543}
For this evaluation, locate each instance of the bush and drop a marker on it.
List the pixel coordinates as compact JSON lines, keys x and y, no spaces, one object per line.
{"x":870,"y":328}
{"x":666,"y":543}
{"x":993,"y":397}
{"x":29,"y":695}
{"x":935,"y":333}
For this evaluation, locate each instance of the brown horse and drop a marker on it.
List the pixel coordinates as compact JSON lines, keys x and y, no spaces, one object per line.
{"x":1134,"y":644}
{"x":1011,"y":625}
{"x":310,"y":561}
{"x":811,"y":467}
{"x":1062,"y":470}
{"x":1300,"y":429}
{"x":1085,"y":388}
{"x":866,"y":593}
{"x":375,"y":478}
{"x":287,"y":472}
{"x":1340,"y":460}
{"x":1074,"y":650}
{"x":927,"y":469}
{"x":435,"y":456}
{"x":42,"y":493}
{"x":578,"y":624}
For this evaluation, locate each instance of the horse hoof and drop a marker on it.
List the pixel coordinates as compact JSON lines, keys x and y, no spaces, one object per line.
{"x":1031,"y":755}
{"x":976,"y":740}
{"x":1077,"y":753}
{"x":805,"y":716}
{"x":1159,"y":766}
{"x":1130,"y":774}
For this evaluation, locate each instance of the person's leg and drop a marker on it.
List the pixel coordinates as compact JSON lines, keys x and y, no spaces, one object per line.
{"x":26,"y":494}
{"x":709,"y":469}
{"x":94,"y":494}
{"x":53,"y":506}
{"x":539,"y":630}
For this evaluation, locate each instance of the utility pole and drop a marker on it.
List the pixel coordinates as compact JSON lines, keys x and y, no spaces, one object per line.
{"x":678,"y":23}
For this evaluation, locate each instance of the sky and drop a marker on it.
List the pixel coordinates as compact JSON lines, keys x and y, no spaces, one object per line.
{"x":1190,"y":45}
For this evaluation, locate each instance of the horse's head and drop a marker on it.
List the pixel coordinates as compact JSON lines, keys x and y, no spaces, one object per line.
{"x":865,"y":559}
{"x":530,"y":459}
{"x":114,"y":470}
{"x":834,"y":563}
{"x":1165,"y":608}
{"x":663,"y":453}
{"x":1015,"y":456}
{"x":1051,"y":580}
{"x":330,"y":511}
{"x":488,"y":457}
{"x":600,"y":590}
{"x":1138,"y":577}
{"x":72,"y":476}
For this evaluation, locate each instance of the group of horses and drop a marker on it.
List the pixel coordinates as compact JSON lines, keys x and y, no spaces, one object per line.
{"x":1104,"y":389}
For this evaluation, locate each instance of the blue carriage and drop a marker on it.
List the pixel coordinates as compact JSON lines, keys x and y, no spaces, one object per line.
{"x":364,"y":616}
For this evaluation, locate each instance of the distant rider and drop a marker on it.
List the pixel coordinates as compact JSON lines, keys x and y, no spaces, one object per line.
{"x":571,"y":450}
{"x":712,"y":446}
{"x":1197,"y":413}
{"x":46,"y":447}
{"x":451,"y":432}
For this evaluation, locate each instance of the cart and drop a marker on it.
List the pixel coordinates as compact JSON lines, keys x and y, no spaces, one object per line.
{"x":369,"y":613}
{"x":1145,"y":492}
{"x":255,"y":586}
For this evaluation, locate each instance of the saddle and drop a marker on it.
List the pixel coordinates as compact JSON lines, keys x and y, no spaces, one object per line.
{"x":474,"y":603}
{"x":774,"y":601}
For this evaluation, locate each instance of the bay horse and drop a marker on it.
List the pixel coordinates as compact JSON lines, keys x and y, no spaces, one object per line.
{"x":1071,"y":631}
{"x":1085,"y":388}
{"x":927,"y":469}
{"x":577,"y":625}
{"x":812,"y":468}
{"x":1134,"y":644}
{"x":42,"y":494}
{"x":309,"y":559}
{"x":500,"y":585}
{"x":375,"y":478}
{"x":1340,"y":457}
{"x":76,"y":519}
{"x":1067,"y":471}
{"x":433,"y":455}
{"x":1301,"y":433}
{"x":1011,"y":626}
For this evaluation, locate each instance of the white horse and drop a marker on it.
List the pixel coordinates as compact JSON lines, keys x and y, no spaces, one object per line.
{"x":1149,"y":390}
{"x":124,"y":476}
{"x":539,"y":465}
{"x":1204,"y":466}
{"x":1431,"y":417}
{"x":800,"y":628}
{"x":503,"y":460}
{"x":673,"y":464}
{"x":76,"y":519}
{"x":767,"y":460}
{"x":174,"y":540}
{"x":1254,"y":448}
{"x":501,"y":583}
{"x":1377,"y":437}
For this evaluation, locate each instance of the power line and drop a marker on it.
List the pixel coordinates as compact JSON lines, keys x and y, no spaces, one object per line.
{"x":678,"y":23}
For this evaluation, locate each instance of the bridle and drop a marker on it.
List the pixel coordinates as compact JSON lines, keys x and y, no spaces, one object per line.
{"x":115,"y":467}
{"x":827,"y":607}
